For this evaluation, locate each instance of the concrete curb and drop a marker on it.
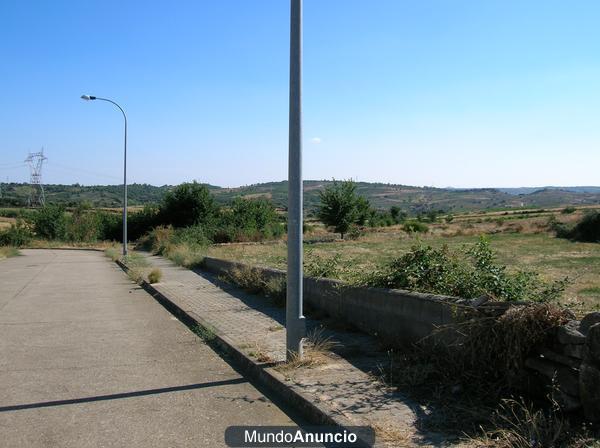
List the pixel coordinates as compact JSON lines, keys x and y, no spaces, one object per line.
{"x":94,"y":249}
{"x":263,"y":374}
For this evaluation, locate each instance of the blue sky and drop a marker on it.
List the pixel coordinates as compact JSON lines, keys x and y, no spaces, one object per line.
{"x":428,"y":92}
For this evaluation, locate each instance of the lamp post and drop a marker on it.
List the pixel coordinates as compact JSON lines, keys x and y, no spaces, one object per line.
{"x":294,"y":320}
{"x":92,"y":98}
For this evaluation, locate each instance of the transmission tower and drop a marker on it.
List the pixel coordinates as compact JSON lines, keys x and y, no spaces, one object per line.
{"x":35,"y":160}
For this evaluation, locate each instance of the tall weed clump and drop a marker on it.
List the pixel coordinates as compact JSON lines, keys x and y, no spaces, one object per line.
{"x":185,"y":247}
{"x":17,"y":235}
{"x":469,"y":273}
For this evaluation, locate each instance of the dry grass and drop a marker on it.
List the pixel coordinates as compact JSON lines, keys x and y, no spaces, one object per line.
{"x":113,"y":253}
{"x":519,"y":424}
{"x":185,"y":256}
{"x":154,"y":276}
{"x":254,"y":281}
{"x":8,"y":251}
{"x":495,"y":348}
{"x":256,"y":351}
{"x":317,"y":351}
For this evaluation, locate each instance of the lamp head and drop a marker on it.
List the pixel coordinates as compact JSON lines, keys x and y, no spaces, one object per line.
{"x":88,"y":97}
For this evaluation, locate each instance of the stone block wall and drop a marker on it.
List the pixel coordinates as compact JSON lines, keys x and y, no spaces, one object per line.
{"x":571,"y":362}
{"x":397,"y":316}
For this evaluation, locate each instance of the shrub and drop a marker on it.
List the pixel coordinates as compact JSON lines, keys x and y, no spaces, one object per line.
{"x":158,"y":240}
{"x":110,"y":226}
{"x":17,"y":235}
{"x":50,"y":222}
{"x":154,"y":276}
{"x":193,"y":236}
{"x":141,"y":222}
{"x":83,"y":225}
{"x":415,"y":227}
{"x":588,"y":229}
{"x":253,"y":281}
{"x":468,"y":274}
{"x":248,"y":220}
{"x":188,"y":204}
{"x":354,"y":232}
{"x":317,"y":266}
{"x":568,"y":210}
{"x":397,"y":214}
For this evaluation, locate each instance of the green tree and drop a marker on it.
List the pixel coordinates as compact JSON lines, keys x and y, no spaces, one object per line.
{"x":341,"y":206}
{"x":363,"y":210}
{"x":397,"y":214}
{"x":188,"y":204}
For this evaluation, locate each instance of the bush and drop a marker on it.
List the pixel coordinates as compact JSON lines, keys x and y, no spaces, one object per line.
{"x":50,"y":222}
{"x":83,"y":225}
{"x":110,"y":226}
{"x":158,"y":240}
{"x":248,"y":220}
{"x":138,"y":224}
{"x":188,"y":204}
{"x":397,"y":214}
{"x":415,"y":227}
{"x":317,"y":266}
{"x":568,"y":210}
{"x":192,"y":236}
{"x":253,"y":281}
{"x":17,"y":235}
{"x":588,"y":229}
{"x":468,"y":274}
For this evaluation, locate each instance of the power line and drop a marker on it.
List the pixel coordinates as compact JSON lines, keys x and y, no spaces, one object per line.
{"x":80,"y":170}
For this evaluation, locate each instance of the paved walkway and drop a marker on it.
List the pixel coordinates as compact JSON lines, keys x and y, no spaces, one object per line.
{"x":88,"y":359}
{"x":347,"y":384}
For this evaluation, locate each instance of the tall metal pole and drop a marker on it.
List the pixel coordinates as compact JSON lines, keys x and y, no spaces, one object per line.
{"x":88,"y":98}
{"x":294,"y":317}
{"x":125,"y":188}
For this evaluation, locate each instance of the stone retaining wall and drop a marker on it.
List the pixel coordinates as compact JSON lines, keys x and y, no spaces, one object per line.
{"x":571,"y":361}
{"x":395,"y":315}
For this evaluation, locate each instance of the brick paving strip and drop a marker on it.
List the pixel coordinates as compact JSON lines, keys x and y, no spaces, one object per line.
{"x":344,"y":390}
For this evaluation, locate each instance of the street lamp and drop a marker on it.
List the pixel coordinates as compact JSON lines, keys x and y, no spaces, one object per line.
{"x":91,"y":98}
{"x":294,"y":320}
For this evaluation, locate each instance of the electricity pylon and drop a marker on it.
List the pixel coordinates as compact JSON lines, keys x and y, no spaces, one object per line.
{"x":35,"y":160}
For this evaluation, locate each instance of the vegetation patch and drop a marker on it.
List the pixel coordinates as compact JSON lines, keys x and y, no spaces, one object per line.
{"x":154,"y":276}
{"x":8,"y":251}
{"x":317,"y":351}
{"x":207,"y":334}
{"x":469,"y":273}
{"x":470,"y":385}
{"x":254,"y":281}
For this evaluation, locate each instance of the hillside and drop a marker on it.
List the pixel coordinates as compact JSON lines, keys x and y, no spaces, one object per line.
{"x":382,"y":196}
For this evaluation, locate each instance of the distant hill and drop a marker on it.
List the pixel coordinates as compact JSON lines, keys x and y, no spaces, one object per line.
{"x":15,"y":194}
{"x":382,"y":196}
{"x":527,"y":190}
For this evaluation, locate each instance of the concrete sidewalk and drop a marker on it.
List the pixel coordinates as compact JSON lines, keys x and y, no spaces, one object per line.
{"x":346,"y":386}
{"x":89,"y":359}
